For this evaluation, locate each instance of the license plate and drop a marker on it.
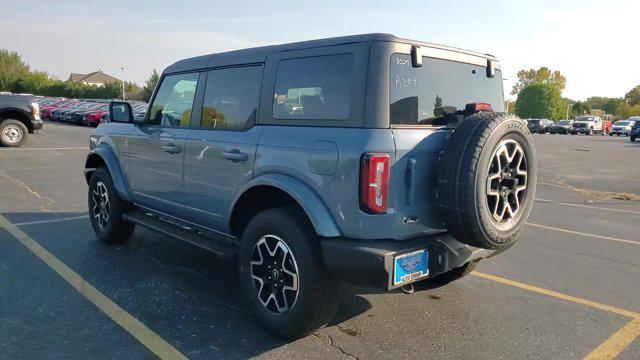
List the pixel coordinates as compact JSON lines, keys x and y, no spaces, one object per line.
{"x":411,"y":266}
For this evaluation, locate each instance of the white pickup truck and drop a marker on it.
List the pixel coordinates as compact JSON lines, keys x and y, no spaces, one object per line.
{"x":589,"y":125}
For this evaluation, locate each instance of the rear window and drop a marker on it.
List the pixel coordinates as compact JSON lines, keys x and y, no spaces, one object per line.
{"x":420,"y":96}
{"x":314,"y":88}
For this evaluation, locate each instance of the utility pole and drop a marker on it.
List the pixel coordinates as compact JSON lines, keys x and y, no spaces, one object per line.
{"x":123,"y":95}
{"x":568,"y":105}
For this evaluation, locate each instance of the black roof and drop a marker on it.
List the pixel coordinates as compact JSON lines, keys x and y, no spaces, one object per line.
{"x":259,"y":54}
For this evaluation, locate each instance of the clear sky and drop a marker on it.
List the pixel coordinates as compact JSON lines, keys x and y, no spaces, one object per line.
{"x":595,"y":44}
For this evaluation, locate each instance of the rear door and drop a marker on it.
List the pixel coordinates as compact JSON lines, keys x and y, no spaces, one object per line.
{"x":220,"y":151}
{"x":418,"y":100}
{"x":157,"y":148}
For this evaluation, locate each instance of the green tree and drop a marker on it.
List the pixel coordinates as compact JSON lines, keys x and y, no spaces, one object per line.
{"x":541,"y":76}
{"x":633,"y":96}
{"x":613,"y":106}
{"x":32,"y":82}
{"x":149,"y":85}
{"x":580,"y":108}
{"x":539,"y":101}
{"x":12,"y":68}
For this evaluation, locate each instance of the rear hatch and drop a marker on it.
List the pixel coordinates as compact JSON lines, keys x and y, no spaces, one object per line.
{"x":419,"y":98}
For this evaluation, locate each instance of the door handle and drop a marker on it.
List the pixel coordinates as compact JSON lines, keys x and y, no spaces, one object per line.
{"x":171,"y":149}
{"x":235,"y":155}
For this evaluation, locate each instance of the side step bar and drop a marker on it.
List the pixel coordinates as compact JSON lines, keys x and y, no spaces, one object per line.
{"x":159,"y":225}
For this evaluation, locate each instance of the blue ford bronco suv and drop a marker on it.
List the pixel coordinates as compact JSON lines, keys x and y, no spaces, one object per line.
{"x":369,"y":159}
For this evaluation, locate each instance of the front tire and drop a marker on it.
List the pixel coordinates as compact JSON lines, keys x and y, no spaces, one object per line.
{"x":282,"y":275}
{"x":13,"y":133}
{"x":106,"y":209}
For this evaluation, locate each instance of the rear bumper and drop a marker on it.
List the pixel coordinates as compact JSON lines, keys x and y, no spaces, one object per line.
{"x":371,"y":262}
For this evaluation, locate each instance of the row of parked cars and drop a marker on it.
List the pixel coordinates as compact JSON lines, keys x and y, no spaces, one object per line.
{"x":588,"y":125}
{"x":87,"y":112}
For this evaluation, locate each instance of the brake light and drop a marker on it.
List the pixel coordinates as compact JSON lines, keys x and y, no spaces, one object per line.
{"x":475,"y":107}
{"x":374,"y":182}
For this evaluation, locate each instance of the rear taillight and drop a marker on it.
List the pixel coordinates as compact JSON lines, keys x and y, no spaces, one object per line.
{"x":475,"y":107}
{"x":374,"y":182}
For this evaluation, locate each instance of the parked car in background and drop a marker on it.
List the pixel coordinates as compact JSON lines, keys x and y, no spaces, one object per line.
{"x":71,"y":115}
{"x":622,"y":127}
{"x":45,"y":112}
{"x":561,"y":127}
{"x":77,"y":117}
{"x":56,"y":115}
{"x":539,"y":125}
{"x":19,"y":116}
{"x":589,"y":125}
{"x":635,"y":131}
{"x":94,"y":118}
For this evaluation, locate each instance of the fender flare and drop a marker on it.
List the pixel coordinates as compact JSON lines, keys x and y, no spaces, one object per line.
{"x":308,"y":200}
{"x":22,"y":112}
{"x":113,"y":165}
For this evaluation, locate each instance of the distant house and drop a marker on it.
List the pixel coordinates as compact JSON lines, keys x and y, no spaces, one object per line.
{"x":95,"y":78}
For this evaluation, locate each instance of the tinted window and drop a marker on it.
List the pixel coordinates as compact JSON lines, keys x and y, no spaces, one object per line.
{"x":231,"y":98}
{"x":317,"y":88}
{"x":173,"y":102}
{"x":423,"y":95}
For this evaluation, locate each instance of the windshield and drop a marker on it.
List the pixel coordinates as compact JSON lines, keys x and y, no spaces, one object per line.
{"x":418,"y":96}
{"x":585,"y":118}
{"x":622,"y":123}
{"x":564,"y":122}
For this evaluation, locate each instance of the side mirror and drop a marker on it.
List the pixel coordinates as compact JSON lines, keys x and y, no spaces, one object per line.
{"x":120,"y":111}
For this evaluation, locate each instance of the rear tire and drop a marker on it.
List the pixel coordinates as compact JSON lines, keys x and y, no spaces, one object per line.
{"x":487,"y":180}
{"x":13,"y":133}
{"x":290,"y":314}
{"x":106,"y":209}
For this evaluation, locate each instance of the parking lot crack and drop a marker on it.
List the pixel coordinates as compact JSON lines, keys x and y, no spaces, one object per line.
{"x":339,"y":348}
{"x":50,"y":203}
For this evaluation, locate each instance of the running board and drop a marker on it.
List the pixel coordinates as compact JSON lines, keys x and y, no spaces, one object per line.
{"x":155,"y":223}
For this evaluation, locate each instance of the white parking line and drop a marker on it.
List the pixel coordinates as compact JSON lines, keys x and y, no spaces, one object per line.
{"x":585,"y":234}
{"x":36,"y":222}
{"x":588,"y":206}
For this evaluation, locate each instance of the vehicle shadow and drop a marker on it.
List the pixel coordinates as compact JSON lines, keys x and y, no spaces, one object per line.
{"x":188,"y":296}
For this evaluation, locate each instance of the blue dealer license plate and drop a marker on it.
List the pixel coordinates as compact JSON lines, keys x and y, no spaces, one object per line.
{"x":411,"y":266}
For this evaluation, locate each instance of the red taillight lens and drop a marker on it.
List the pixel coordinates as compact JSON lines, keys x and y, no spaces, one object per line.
{"x":475,"y":107}
{"x":374,"y":182}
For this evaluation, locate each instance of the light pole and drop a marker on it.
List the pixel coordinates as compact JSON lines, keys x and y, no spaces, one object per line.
{"x":568,"y":106}
{"x":123,"y":96}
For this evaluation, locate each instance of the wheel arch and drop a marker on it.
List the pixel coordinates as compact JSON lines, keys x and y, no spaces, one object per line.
{"x":17,"y":114}
{"x":102,"y":156}
{"x":274,"y":190}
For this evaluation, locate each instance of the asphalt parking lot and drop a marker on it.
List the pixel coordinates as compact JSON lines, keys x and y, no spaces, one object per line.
{"x":570,"y":288}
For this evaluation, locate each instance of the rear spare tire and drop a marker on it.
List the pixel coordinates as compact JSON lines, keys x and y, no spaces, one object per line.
{"x":487,"y":180}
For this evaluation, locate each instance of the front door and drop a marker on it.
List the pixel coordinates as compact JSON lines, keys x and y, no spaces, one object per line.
{"x":220,"y":153}
{"x":157,"y":148}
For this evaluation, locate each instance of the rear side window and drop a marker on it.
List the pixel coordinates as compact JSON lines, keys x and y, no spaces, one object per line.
{"x":421,"y":96}
{"x":231,"y":98}
{"x":314,"y":88}
{"x":174,"y":100}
